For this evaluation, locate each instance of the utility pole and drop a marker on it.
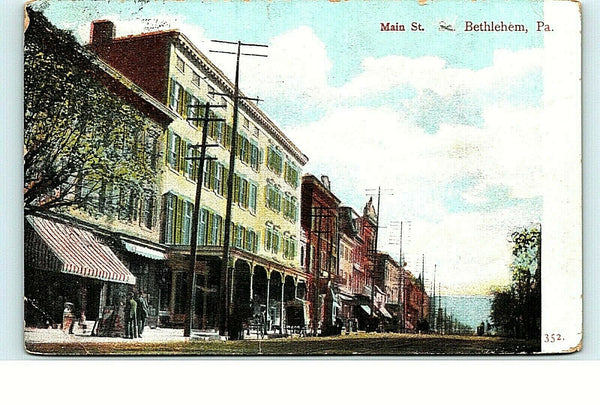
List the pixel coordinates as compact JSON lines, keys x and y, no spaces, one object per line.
{"x":223,"y":312}
{"x":196,"y":213}
{"x":375,"y":257}
{"x":422,"y":285}
{"x":432,"y":313}
{"x":318,"y":215}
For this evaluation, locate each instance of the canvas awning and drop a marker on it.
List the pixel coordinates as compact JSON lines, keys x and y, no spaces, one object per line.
{"x":77,"y":251}
{"x":366,"y":308}
{"x":144,"y":251}
{"x":384,"y":312}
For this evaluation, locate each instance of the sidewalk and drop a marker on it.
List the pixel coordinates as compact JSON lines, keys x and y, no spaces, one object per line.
{"x":39,"y":335}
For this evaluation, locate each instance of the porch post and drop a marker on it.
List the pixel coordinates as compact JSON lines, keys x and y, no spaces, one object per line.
{"x":268,"y":316}
{"x":281,"y":310}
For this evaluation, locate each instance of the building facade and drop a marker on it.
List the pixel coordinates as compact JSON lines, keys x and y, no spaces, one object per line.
{"x":92,"y":253}
{"x":320,"y":224}
{"x":265,"y":267}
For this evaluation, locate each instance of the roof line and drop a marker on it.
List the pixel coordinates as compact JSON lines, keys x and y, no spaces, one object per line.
{"x":221,"y":77}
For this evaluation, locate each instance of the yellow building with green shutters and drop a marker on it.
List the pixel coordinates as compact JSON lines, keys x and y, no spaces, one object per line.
{"x":266,"y":281}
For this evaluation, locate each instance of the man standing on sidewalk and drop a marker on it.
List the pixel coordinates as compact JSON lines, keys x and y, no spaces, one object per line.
{"x":142,"y":313}
{"x":131,"y":317}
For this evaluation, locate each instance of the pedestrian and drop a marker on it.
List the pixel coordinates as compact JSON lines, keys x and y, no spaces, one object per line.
{"x":130,"y":317}
{"x":142,"y":313}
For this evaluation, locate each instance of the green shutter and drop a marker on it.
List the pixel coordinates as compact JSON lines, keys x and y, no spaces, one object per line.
{"x":169,"y":140}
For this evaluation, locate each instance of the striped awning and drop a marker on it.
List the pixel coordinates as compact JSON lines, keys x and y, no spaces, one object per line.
{"x":79,"y":252}
{"x":144,"y":251}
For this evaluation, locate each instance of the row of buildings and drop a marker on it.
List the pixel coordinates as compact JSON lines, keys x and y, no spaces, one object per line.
{"x":299,"y":260}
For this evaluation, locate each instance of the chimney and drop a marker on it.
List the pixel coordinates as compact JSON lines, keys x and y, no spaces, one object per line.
{"x":102,"y":32}
{"x":325,"y":181}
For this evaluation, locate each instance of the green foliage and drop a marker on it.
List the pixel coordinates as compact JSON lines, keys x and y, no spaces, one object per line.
{"x":516,"y":311}
{"x":76,"y":130}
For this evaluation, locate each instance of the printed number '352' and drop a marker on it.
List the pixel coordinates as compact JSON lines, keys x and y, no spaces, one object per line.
{"x":551,"y":338}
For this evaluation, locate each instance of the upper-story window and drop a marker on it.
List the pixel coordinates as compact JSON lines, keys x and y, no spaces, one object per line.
{"x":252,"y":198}
{"x":245,"y":122}
{"x":290,"y":207}
{"x":255,"y":131}
{"x":196,"y":79}
{"x":255,"y":156}
{"x":289,"y":247}
{"x":177,"y":219}
{"x":180,"y":64}
{"x":192,"y":109}
{"x":211,"y":91}
{"x":275,"y":160}
{"x":175,"y":96}
{"x":174,"y":150}
{"x":243,"y":148}
{"x":291,"y":174}
{"x":273,"y":197}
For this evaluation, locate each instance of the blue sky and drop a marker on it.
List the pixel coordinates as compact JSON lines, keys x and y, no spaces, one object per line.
{"x":448,"y":120}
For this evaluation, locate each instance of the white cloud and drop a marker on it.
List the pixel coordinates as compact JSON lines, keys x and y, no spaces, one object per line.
{"x":361,"y":148}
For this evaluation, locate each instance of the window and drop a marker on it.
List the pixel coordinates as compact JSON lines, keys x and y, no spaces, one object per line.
{"x":169,"y":216}
{"x":177,"y":219}
{"x":211,"y":90}
{"x":243,"y":149}
{"x":251,"y":239}
{"x":240,"y":237}
{"x":196,"y":79}
{"x":217,"y":132}
{"x":206,"y":172}
{"x":192,"y":109}
{"x":187,"y":222}
{"x":218,"y":178}
{"x":289,"y":247}
{"x":176,"y":96}
{"x":188,"y":164}
{"x":173,"y":150}
{"x":215,"y":230}
{"x":244,"y":193}
{"x":202,"y":226}
{"x":254,"y":156}
{"x":275,"y":160}
{"x":245,"y":122}
{"x":276,"y":241}
{"x":273,"y":198}
{"x":180,"y":64}
{"x":291,"y":174}
{"x":252,"y":198}
{"x":290,"y":208}
{"x":148,"y":210}
{"x":268,"y":238}
{"x":255,"y":131}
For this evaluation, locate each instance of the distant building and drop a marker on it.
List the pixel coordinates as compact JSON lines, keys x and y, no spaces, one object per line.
{"x":320,"y":225}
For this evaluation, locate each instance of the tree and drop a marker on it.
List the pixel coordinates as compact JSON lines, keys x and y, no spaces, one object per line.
{"x":516,"y":311}
{"x":83,"y":144}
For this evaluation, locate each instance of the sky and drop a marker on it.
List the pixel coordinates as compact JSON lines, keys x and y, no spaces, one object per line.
{"x":447,"y":123}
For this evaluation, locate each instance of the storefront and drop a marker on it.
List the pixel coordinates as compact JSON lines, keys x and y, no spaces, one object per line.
{"x":70,"y":267}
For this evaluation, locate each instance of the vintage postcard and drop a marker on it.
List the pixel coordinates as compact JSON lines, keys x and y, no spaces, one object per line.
{"x":302,"y":177}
